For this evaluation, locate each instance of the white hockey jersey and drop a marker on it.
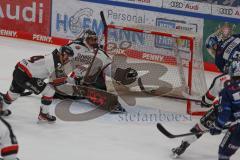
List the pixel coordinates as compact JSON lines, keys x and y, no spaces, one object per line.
{"x":82,"y":60}
{"x":215,"y":88}
{"x":38,"y":66}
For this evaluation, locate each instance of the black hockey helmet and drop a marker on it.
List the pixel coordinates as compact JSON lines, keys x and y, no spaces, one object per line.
{"x":67,"y":49}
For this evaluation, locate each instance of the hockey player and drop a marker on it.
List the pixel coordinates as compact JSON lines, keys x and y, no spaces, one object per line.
{"x":8,"y":141}
{"x":90,"y":65}
{"x":229,"y":112}
{"x":30,"y":74}
{"x":224,"y":52}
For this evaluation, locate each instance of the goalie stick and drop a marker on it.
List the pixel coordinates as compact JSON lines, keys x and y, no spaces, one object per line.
{"x":96,"y":49}
{"x":170,"y":135}
{"x":152,"y":91}
{"x":101,"y":98}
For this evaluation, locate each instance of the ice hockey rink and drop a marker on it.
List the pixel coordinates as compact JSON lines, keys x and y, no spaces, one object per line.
{"x":131,"y":136}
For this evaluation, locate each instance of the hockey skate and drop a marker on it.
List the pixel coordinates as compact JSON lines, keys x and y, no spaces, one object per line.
{"x":180,"y":150}
{"x":118,"y":109}
{"x":5,"y":113}
{"x":45,"y":117}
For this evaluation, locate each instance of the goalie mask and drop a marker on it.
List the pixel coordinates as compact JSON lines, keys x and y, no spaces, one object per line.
{"x":90,"y":39}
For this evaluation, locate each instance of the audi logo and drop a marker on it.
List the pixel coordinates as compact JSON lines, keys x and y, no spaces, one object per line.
{"x":226,"y":11}
{"x":176,"y":4}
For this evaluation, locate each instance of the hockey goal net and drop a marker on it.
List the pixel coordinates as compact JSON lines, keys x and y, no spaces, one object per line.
{"x":167,"y":60}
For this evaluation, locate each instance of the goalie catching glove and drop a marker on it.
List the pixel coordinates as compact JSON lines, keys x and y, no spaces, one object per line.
{"x":125,"y":76}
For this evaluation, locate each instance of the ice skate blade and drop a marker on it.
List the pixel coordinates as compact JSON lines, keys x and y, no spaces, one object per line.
{"x":40,"y":121}
{"x":175,"y":156}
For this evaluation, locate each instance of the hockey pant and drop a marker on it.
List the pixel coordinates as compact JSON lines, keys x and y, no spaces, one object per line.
{"x":21,"y":81}
{"x":230,"y":143}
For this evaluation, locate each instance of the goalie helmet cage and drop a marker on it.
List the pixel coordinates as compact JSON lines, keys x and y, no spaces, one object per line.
{"x":172,"y":54}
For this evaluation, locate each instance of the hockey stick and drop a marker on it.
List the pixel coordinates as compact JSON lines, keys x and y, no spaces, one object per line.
{"x":153,"y":92}
{"x":170,"y":135}
{"x":96,"y":50}
{"x":103,"y":21}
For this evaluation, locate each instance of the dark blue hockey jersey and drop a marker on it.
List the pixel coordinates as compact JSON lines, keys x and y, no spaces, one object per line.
{"x":227,"y":50}
{"x":229,"y":109}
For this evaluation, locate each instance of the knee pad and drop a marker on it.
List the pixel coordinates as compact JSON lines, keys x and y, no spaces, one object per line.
{"x":208,"y":119}
{"x":47,"y":95}
{"x":10,"y":96}
{"x":196,"y":129}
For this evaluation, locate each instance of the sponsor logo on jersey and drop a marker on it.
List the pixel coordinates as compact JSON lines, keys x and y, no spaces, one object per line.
{"x":231,"y":146}
{"x":225,"y":139}
{"x":85,"y":59}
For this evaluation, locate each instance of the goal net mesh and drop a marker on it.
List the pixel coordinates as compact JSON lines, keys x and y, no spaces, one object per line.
{"x":167,"y":60}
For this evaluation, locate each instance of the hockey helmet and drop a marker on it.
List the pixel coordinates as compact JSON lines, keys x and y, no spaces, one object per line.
{"x":211,"y":42}
{"x":67,"y":49}
{"x":89,"y":34}
{"x":234,"y":68}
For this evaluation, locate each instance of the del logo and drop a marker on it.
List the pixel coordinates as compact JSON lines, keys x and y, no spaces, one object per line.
{"x":79,"y":21}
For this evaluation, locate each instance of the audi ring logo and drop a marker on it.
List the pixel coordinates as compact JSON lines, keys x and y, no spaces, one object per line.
{"x":226,"y":11}
{"x":176,"y":4}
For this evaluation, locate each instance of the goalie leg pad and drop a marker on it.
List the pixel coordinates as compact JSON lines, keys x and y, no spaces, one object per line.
{"x":125,"y":76}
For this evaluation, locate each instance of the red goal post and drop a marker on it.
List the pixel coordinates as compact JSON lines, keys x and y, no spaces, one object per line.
{"x":176,"y":52}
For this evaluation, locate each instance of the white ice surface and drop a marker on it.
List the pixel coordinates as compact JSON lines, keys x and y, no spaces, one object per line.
{"x":119,"y":137}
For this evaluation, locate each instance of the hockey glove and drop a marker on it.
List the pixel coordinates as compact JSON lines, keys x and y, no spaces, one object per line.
{"x":215,"y":130}
{"x":125,"y":76}
{"x":204,"y":104}
{"x":78,"y":80}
